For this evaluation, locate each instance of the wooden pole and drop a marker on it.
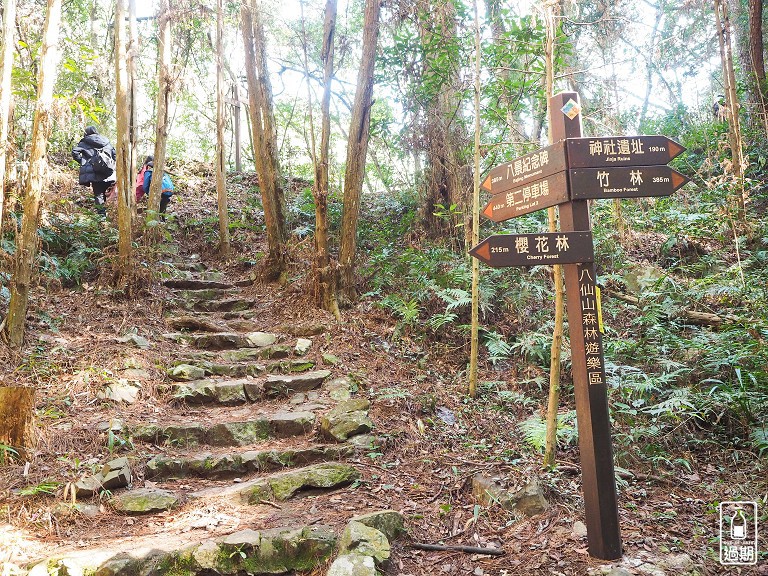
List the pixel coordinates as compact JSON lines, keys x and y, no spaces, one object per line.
{"x":590,"y":389}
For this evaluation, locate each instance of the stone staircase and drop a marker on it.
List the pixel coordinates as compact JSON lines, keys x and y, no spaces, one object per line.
{"x":246,"y":465}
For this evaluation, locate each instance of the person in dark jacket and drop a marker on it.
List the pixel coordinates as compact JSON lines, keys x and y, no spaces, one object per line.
{"x":99,"y":181}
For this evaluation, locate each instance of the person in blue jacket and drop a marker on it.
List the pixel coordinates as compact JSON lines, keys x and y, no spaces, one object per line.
{"x":167,"y":189}
{"x":99,"y":181}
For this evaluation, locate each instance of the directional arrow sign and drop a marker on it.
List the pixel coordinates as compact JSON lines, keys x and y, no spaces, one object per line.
{"x":530,"y":197}
{"x":525,"y":169}
{"x":535,"y":249}
{"x":624,"y":182}
{"x":621,"y":151}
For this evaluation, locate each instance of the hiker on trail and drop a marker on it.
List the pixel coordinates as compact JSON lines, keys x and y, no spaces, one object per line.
{"x":140,"y":177}
{"x":97,"y":165}
{"x":167,"y":187}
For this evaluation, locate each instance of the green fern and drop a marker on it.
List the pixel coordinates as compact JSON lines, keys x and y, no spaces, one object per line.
{"x":534,"y":430}
{"x":454,"y":297}
{"x":437,"y":321}
{"x":759,"y":438}
{"x":407,"y":311}
{"x":498,"y":349}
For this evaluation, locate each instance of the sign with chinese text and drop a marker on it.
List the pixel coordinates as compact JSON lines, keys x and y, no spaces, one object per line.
{"x":624,"y":182}
{"x":621,"y":151}
{"x":535,"y":249}
{"x":537,"y":195}
{"x":589,"y":298}
{"x":526,"y":169}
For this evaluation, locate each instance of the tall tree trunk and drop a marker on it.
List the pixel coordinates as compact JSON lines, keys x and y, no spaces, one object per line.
{"x":444,"y":177}
{"x":756,"y":48}
{"x":9,"y":22}
{"x":221,"y":181}
{"x":41,"y":128}
{"x":236,"y":123}
{"x":357,"y":150}
{"x":133,"y":126}
{"x":264,"y":140}
{"x":325,"y":271}
{"x":553,"y":402}
{"x":723,"y":23}
{"x":164,"y":41}
{"x":125,"y":197}
{"x":475,"y":325}
{"x":17,"y":405}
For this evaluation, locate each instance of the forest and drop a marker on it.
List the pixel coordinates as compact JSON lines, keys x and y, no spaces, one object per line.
{"x":319,"y":343}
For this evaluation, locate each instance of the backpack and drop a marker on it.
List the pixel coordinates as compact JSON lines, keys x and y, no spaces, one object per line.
{"x":140,"y":183}
{"x":103,"y":163}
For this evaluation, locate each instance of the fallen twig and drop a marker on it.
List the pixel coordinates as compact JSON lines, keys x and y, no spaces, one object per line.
{"x":465,"y":549}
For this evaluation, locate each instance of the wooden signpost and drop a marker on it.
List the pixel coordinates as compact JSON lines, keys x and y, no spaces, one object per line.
{"x":576,"y":169}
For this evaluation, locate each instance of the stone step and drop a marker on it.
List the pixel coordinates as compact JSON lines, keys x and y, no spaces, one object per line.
{"x":258,"y":552}
{"x":230,"y":464}
{"x":223,"y":340}
{"x":282,"y":424}
{"x":202,"y":295}
{"x":196,"y":284}
{"x":285,"y":485}
{"x":240,"y":391}
{"x":238,"y":355}
{"x":225,"y":305}
{"x":200,"y":369}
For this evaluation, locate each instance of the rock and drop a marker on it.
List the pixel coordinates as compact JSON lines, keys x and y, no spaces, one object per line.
{"x":227,"y":392}
{"x":302,"y":329}
{"x":284,"y":385}
{"x":86,"y":487}
{"x":191,"y":284}
{"x":352,"y":565}
{"x":275,"y":352}
{"x":204,"y":295}
{"x":348,"y":419}
{"x":238,"y":433}
{"x":285,"y":484}
{"x":135,"y":374}
{"x":302,"y":346}
{"x":218,"y":341}
{"x":363,"y":540}
{"x":120,"y":391}
{"x":66,"y":510}
{"x":229,"y":305}
{"x":260,"y":339}
{"x":388,"y":522}
{"x":196,"y":324}
{"x":287,"y":424}
{"x":136,"y":340}
{"x":274,"y":551}
{"x":677,"y":563}
{"x":186,"y":372}
{"x":365,"y":442}
{"x":330,"y":359}
{"x":290,"y":366}
{"x":339,"y":389}
{"x":579,"y":529}
{"x":528,"y":501}
{"x":115,"y":425}
{"x":116,"y":474}
{"x":144,"y":501}
{"x":207,"y":465}
{"x":619,"y":571}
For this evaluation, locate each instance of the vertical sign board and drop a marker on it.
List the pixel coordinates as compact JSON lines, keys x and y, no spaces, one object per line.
{"x":568,"y":173}
{"x":590,"y":388}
